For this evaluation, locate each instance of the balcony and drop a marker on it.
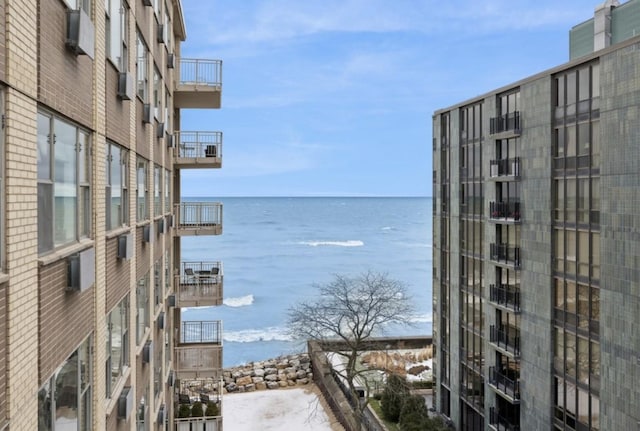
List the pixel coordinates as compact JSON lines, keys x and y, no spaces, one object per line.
{"x":208,"y":392}
{"x":505,"y":168}
{"x":501,"y":423}
{"x":506,"y":339}
{"x":505,"y":381}
{"x":507,"y":125}
{"x":198,"y":218}
{"x":199,"y":352}
{"x":198,"y":150}
{"x":506,"y":295}
{"x":205,"y":423}
{"x":198,"y":84}
{"x":199,"y":284}
{"x":504,"y":253}
{"x":508,"y":211}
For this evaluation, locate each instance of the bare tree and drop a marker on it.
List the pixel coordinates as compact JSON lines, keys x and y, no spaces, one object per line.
{"x":344,"y":318}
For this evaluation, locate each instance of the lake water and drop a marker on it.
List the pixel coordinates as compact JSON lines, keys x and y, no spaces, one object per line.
{"x":274,"y":250}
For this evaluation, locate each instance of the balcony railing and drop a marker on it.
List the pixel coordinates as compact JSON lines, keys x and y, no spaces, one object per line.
{"x":198,"y":218}
{"x":501,"y":423}
{"x":505,"y":167}
{"x":198,"y":149}
{"x":506,"y":295}
{"x":505,"y":339}
{"x":199,"y":351}
{"x":198,"y":84}
{"x":505,"y":253}
{"x":505,"y":210}
{"x":509,"y":385}
{"x":205,"y":423}
{"x":199,"y":284}
{"x":505,"y":123}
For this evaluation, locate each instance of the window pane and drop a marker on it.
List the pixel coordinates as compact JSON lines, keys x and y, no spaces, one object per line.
{"x":44,"y":148}
{"x":66,"y":394}
{"x":45,"y":217}
{"x":65,"y":187}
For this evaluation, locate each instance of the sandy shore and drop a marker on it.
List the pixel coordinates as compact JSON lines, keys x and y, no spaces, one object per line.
{"x":280,"y":409}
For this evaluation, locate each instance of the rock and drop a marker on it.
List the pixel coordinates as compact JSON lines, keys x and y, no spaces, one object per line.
{"x":232,"y":387}
{"x":272,"y":385}
{"x":289,"y":370}
{"x":250,"y":387}
{"x":246,"y":373}
{"x":236,"y":374}
{"x":271,"y":378}
{"x":257,"y":379}
{"x":310,"y":376}
{"x":282,"y":365}
{"x":294,"y":363}
{"x":301,"y":374}
{"x":291,"y":383}
{"x":258,"y":372}
{"x":283,"y":383}
{"x":302,"y":381}
{"x":261,"y":386}
{"x":240,"y":388}
{"x":291,"y":376}
{"x":243,"y":381}
{"x":270,"y":370}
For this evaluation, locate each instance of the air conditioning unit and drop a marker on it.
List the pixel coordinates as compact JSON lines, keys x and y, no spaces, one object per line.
{"x":171,"y":300}
{"x":171,"y":61}
{"x":170,"y":220}
{"x":161,"y":226}
{"x":161,"y":34}
{"x":147,"y":113}
{"x":80,"y":33}
{"x":125,"y":246}
{"x":160,"y":320}
{"x":171,"y":380}
{"x":160,"y":130}
{"x":147,"y":2}
{"x":81,"y":270}
{"x":125,"y":403}
{"x":126,"y":89}
{"x":148,"y":233}
{"x":162,"y":415}
{"x":147,"y":352}
{"x":169,"y":139}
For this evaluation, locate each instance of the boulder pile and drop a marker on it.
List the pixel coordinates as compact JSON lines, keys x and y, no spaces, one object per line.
{"x":282,"y":372}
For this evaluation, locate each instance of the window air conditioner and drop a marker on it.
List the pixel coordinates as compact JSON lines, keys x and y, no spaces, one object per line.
{"x":125,"y":86}
{"x":161,"y":34}
{"x":171,"y":300}
{"x":170,"y":221}
{"x":160,"y":320}
{"x":161,"y":415}
{"x":146,"y":113}
{"x":160,"y":130}
{"x":81,"y":270}
{"x":147,"y":2}
{"x":125,"y":246}
{"x":80,"y":33}
{"x":171,"y":61}
{"x":125,"y":403}
{"x":169,"y":139}
{"x":171,"y":380}
{"x":161,"y":226}
{"x":147,"y":352}
{"x":148,"y":233}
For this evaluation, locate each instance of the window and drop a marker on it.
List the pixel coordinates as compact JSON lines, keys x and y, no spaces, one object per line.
{"x":142,"y":411}
{"x":157,"y":191}
{"x":167,"y":26}
{"x":142,"y":307}
{"x":167,"y":272}
{"x":142,"y":193}
{"x":157,"y":93}
{"x":117,"y":32}
{"x":141,"y":67}
{"x":157,"y":285}
{"x":85,"y":5}
{"x":64,"y":201}
{"x":167,"y":105}
{"x":167,"y":190}
{"x":117,"y":194}
{"x":117,"y":344}
{"x":64,"y":401}
{"x":158,"y":371}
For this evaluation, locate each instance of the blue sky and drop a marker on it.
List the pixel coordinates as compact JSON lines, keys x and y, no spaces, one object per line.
{"x":335,"y":97}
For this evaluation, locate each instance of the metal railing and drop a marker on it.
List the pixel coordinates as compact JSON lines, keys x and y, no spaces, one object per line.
{"x":198,"y":144}
{"x":504,"y":384}
{"x":505,"y":253}
{"x":195,"y":214}
{"x":506,"y":295}
{"x":205,"y":423}
{"x":198,"y":360}
{"x":507,"y":340}
{"x":207,"y":332}
{"x":505,"y":167}
{"x":200,"y":72}
{"x":508,"y":209}
{"x":501,"y":423}
{"x":504,"y":123}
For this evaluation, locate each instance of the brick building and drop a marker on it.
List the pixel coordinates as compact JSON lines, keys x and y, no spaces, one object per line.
{"x":536,"y":242}
{"x":92,"y":281}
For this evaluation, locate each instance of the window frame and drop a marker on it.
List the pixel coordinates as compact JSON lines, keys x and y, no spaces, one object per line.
{"x":123,"y":170}
{"x":142,"y":68}
{"x":142,"y":188}
{"x":125,"y":343}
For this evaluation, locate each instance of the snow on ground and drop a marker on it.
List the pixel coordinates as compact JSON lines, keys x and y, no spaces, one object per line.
{"x":276,"y":410}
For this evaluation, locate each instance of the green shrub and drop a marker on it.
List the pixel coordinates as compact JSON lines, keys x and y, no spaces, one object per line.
{"x":212,"y":409}
{"x":393,"y":397}
{"x":196,"y":410}
{"x":184,"y":411}
{"x":422,"y":384}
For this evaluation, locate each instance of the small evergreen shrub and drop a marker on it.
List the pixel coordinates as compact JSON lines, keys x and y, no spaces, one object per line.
{"x":393,"y":397}
{"x":212,"y":409}
{"x":184,"y":411}
{"x":196,"y":410}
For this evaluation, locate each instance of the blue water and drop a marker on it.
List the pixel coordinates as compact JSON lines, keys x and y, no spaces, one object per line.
{"x":274,"y":250}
